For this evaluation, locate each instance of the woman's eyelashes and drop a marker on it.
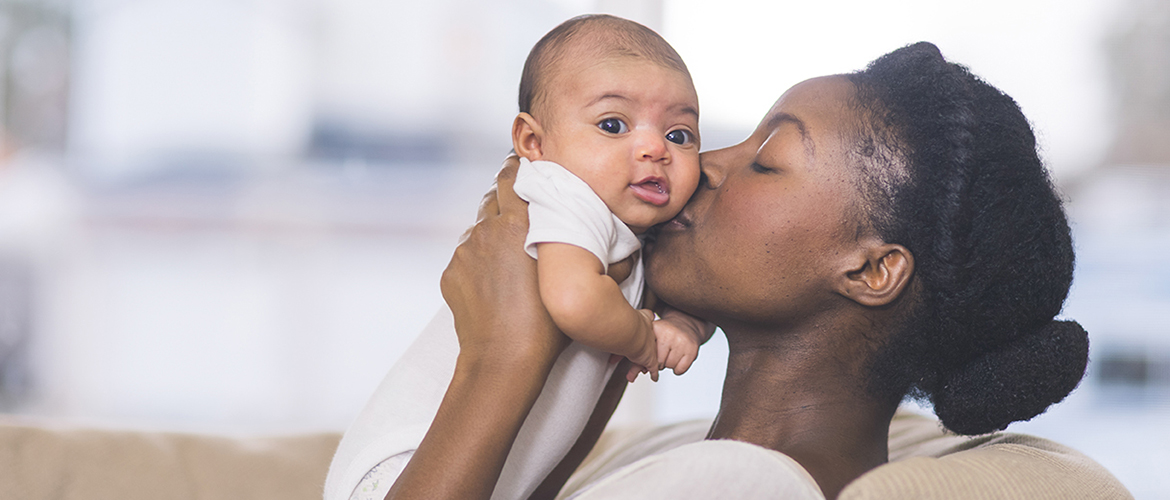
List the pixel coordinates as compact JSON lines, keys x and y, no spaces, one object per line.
{"x":756,"y":167}
{"x":613,"y":126}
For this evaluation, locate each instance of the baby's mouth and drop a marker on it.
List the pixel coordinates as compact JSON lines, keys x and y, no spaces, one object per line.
{"x":652,"y":190}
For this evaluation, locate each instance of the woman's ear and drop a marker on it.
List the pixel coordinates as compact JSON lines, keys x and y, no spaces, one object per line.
{"x":878,"y":274}
{"x":526,"y":137}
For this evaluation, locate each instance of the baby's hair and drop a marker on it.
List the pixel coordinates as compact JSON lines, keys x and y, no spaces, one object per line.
{"x":951,"y":171}
{"x":591,"y":34}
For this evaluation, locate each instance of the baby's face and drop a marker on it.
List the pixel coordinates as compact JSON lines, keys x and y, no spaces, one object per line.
{"x":630,"y":129}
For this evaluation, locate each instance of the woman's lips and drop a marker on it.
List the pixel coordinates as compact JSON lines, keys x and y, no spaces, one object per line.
{"x":678,"y":223}
{"x":652,"y":190}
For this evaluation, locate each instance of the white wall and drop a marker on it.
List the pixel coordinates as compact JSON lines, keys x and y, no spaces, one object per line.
{"x":157,"y":78}
{"x":1047,"y":54}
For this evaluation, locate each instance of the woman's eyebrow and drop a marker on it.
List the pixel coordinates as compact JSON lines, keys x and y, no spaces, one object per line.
{"x":779,"y":118}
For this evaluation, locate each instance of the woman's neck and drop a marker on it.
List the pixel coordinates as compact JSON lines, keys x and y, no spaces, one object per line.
{"x":806,"y":401}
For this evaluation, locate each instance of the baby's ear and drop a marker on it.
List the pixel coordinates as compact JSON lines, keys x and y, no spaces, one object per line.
{"x":526,"y":137}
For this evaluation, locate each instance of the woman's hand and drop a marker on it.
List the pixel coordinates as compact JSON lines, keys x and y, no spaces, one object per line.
{"x":490,"y":283}
{"x":507,"y":346}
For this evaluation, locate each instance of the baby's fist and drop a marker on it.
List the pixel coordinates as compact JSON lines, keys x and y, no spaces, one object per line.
{"x":677,"y":348}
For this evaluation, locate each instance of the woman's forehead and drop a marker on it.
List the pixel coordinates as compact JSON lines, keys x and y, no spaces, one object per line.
{"x":822,"y":99}
{"x":818,"y":108}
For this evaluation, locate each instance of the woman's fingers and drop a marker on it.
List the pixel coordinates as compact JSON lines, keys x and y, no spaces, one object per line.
{"x":490,"y":282}
{"x":506,"y":197}
{"x":488,"y":206}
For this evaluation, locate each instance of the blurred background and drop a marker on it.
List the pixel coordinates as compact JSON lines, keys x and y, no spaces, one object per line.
{"x":231,"y":216}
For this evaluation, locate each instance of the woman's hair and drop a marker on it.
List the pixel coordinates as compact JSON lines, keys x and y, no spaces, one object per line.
{"x":949,"y":169}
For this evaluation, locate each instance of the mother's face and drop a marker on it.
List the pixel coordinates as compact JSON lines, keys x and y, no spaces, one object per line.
{"x":762,"y":240}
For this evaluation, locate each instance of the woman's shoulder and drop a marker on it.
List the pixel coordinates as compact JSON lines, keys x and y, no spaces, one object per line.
{"x":926,"y":461}
{"x":674,"y":461}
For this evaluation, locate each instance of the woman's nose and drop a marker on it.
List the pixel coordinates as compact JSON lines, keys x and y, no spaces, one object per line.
{"x":711,"y":169}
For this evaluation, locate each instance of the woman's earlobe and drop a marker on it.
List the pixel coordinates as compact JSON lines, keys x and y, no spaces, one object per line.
{"x":526,"y":137}
{"x":881,"y":276}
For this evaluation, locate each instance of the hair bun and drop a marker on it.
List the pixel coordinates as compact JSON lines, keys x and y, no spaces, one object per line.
{"x":1015,"y":383}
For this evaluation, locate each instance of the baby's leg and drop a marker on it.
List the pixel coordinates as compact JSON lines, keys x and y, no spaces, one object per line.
{"x":380,"y":442}
{"x":556,"y":421}
{"x":400,"y":411}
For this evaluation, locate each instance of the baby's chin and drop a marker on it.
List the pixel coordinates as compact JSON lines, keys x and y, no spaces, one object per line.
{"x":647,"y":226}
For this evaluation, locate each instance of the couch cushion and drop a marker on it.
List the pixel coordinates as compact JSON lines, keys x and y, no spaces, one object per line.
{"x":42,"y":462}
{"x":928,"y":462}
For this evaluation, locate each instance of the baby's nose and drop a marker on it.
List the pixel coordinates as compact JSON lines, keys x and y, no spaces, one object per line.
{"x":651,"y":146}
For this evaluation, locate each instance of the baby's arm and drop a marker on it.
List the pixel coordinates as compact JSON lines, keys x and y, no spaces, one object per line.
{"x":589,"y":307}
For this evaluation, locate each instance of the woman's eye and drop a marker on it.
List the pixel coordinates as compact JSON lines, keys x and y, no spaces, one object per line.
{"x":613,"y":126}
{"x":756,"y":167}
{"x":680,"y":137}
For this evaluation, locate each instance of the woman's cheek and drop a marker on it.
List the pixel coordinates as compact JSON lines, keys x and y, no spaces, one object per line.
{"x":748,"y":221}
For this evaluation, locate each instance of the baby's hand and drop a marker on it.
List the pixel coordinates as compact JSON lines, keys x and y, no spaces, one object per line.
{"x":645,"y":358}
{"x":678,"y":345}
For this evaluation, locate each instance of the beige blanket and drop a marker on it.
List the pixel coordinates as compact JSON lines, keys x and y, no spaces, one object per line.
{"x":39,"y":461}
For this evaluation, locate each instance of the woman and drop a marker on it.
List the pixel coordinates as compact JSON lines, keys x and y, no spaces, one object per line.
{"x":884,"y":233}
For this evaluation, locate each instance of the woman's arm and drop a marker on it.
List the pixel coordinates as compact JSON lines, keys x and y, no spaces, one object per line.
{"x":507,"y":346}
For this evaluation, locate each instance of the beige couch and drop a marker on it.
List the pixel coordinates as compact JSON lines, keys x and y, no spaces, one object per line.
{"x":39,"y":461}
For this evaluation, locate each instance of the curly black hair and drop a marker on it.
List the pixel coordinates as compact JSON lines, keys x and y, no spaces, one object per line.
{"x":950,"y":170}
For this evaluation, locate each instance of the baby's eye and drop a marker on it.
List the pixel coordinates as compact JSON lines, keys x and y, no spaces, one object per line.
{"x":613,"y":126}
{"x":680,"y":137}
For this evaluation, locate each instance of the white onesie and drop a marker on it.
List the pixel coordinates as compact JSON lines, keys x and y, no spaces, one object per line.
{"x":379,"y":443}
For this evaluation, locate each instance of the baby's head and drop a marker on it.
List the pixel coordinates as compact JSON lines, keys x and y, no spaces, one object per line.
{"x":612,"y":102}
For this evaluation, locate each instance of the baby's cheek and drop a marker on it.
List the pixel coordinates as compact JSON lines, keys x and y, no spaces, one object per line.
{"x":688,"y":181}
{"x":679,"y":199}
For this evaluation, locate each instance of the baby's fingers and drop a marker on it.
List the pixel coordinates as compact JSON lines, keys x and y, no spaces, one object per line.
{"x":663,"y":352}
{"x":633,"y":373}
{"x":684,"y":364}
{"x":636,"y":370}
{"x":674,"y":359}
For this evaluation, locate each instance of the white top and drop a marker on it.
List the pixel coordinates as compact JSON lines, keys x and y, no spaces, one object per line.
{"x":381,"y":441}
{"x":562,"y":208}
{"x":705,"y":470}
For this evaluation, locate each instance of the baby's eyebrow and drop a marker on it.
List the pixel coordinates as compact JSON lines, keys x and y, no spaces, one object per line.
{"x":689,"y":110}
{"x":609,"y":96}
{"x":681,"y":108}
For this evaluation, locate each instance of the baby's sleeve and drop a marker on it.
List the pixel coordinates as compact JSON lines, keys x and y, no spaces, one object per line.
{"x":562,"y":208}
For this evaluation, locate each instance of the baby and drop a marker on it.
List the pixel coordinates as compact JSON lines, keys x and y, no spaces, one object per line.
{"x":608,"y":136}
{"x":608,"y":139}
